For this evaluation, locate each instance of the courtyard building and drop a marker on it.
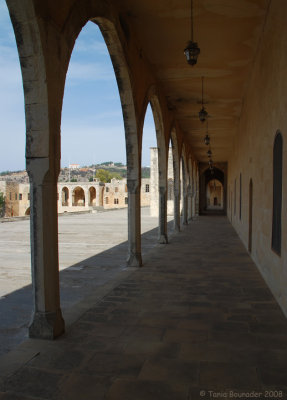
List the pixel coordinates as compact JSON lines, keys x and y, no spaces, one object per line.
{"x":206,"y":312}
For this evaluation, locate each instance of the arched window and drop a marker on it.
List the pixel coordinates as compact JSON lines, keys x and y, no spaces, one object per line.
{"x":277,"y":193}
{"x":240,"y":196}
{"x":235,"y":197}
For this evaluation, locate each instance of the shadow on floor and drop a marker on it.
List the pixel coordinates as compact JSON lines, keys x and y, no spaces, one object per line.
{"x":89,"y":277}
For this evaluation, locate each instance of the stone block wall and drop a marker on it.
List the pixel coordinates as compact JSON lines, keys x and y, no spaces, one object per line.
{"x":251,"y":163}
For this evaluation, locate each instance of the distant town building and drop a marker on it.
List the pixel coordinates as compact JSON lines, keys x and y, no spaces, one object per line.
{"x":74,"y":166}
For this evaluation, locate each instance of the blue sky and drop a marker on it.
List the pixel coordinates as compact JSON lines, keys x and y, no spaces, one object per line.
{"x":92,"y":124}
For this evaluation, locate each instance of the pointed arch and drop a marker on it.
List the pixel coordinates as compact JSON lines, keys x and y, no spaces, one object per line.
{"x":159,"y":186}
{"x":102,"y":14}
{"x":176,"y":177}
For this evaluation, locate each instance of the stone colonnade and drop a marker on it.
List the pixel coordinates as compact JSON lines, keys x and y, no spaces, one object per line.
{"x":45,"y":40}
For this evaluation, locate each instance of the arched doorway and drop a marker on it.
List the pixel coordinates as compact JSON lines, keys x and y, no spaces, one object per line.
{"x":65,"y":197}
{"x":214,"y":195}
{"x":78,"y":197}
{"x":92,"y":196}
{"x":27,"y":211}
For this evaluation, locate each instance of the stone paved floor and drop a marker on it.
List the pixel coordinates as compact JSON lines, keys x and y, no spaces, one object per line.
{"x":196,"y":322}
{"x":92,"y":253}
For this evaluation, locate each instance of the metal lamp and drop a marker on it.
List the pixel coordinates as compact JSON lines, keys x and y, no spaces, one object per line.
{"x":192,"y":50}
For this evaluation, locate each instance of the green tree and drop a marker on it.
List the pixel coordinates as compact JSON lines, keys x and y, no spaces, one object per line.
{"x":105,"y":176}
{"x":107,"y":163}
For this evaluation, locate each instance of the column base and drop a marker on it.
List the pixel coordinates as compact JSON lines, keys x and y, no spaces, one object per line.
{"x":47,"y":325}
{"x":134,"y":260}
{"x":162,"y":239}
{"x":176,"y":228}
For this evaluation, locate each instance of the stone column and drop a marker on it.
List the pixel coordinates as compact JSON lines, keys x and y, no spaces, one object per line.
{"x":177,"y":209}
{"x":134,"y":223}
{"x":162,"y":203}
{"x":189,"y":203}
{"x":86,"y":191}
{"x":176,"y":176}
{"x":184,"y":206}
{"x":47,"y":321}
{"x":163,"y":215}
{"x":70,"y":198}
{"x":44,"y":56}
{"x":196,"y":193}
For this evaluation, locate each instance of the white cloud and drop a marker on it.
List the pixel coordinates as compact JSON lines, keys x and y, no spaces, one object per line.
{"x":85,"y":46}
{"x":79,"y":71}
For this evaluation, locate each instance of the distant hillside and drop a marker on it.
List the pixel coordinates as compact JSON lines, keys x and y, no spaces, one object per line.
{"x":83,"y":174}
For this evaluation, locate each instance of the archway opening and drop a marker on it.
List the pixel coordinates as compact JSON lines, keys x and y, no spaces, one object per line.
{"x":214,"y":195}
{"x":78,"y":197}
{"x":92,"y":196}
{"x":149,"y":178}
{"x":170,"y":182}
{"x":94,"y":152}
{"x":176,"y":179}
{"x":65,"y":197}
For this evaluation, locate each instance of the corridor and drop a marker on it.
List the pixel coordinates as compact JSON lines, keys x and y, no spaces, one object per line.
{"x":197,"y":321}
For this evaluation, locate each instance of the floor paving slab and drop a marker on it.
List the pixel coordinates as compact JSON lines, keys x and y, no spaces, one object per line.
{"x":175,"y":329}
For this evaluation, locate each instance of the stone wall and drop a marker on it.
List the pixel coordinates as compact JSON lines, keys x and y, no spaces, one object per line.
{"x":263,"y":114}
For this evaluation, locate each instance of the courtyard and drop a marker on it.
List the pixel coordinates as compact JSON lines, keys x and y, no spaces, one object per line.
{"x":92,"y":254}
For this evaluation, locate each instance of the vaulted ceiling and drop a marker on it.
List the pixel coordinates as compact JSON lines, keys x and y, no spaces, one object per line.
{"x":228,"y":33}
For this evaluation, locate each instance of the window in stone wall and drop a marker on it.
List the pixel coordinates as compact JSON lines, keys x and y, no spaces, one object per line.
{"x":28,"y":196}
{"x":10,"y":196}
{"x":116,"y":201}
{"x":126,"y":200}
{"x":107,"y":200}
{"x":107,"y":189}
{"x":147,"y":188}
{"x":235,"y":197}
{"x":240,"y":196}
{"x":20,"y":196}
{"x":116,"y":189}
{"x":277,"y":193}
{"x":15,"y":196}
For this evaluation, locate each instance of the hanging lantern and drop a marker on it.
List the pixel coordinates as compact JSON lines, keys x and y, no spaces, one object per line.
{"x":203,"y":114}
{"x":209,"y":153}
{"x":192,"y":50}
{"x":206,"y":139}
